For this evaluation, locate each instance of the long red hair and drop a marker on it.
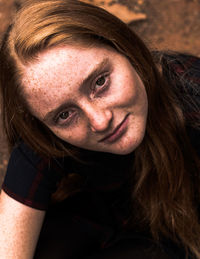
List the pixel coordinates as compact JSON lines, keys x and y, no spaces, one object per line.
{"x":165,"y":167}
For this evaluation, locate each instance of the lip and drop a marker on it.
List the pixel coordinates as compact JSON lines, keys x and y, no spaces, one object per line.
{"x":118,"y":131}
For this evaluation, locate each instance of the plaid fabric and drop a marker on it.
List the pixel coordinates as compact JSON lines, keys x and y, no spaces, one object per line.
{"x":183,"y":73}
{"x":94,"y":219}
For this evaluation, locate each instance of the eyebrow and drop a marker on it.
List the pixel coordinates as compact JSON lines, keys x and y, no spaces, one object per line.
{"x":105,"y":64}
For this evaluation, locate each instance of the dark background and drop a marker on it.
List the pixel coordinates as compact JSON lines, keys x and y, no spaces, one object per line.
{"x":169,"y":24}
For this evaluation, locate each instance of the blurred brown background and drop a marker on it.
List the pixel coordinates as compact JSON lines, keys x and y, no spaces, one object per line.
{"x":166,"y":24}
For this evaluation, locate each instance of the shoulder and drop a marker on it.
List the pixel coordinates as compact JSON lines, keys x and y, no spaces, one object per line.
{"x":30,"y":178}
{"x":23,"y":157}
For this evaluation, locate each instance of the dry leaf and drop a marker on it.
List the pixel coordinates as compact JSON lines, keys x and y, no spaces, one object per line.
{"x":119,"y":10}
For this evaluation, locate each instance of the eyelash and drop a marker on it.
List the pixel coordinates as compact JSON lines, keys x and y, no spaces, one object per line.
{"x":65,"y":121}
{"x":98,"y":93}
{"x":103,"y":87}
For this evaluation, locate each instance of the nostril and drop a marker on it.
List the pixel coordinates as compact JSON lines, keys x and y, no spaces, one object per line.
{"x":93,"y":129}
{"x":100,"y":121}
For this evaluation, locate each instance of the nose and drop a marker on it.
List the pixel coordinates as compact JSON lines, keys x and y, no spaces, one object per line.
{"x":99,"y":118}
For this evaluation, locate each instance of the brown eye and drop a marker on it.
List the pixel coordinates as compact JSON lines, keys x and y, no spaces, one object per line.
{"x":65,"y":118}
{"x":64,"y":115}
{"x":101,"y":81}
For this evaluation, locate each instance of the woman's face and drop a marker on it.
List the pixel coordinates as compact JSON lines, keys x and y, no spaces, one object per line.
{"x":89,"y":97}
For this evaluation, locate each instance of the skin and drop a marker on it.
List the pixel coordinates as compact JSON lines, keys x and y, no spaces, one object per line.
{"x":93,"y":108}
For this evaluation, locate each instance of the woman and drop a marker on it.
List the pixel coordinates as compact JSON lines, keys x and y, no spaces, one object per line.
{"x":91,"y":119}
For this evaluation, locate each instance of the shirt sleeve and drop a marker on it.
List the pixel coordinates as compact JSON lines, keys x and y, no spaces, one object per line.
{"x":29,"y":178}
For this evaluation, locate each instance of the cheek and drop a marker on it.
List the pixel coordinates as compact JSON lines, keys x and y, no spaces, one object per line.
{"x":76,"y":136}
{"x":137,"y":93}
{"x":126,"y":93}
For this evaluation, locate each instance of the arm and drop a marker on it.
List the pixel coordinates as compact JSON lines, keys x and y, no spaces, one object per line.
{"x":20,"y":227}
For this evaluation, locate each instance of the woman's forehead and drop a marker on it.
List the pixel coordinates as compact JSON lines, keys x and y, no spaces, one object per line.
{"x":66,"y":63}
{"x":59,"y":74}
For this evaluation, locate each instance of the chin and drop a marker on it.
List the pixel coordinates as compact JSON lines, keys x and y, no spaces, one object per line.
{"x":125,"y":150}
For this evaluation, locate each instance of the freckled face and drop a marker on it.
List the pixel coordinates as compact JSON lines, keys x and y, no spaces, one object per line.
{"x":89,"y":97}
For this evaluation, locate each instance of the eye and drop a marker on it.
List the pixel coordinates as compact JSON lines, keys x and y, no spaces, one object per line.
{"x":65,"y":118}
{"x":101,"y":84}
{"x":64,"y":115}
{"x":101,"y":81}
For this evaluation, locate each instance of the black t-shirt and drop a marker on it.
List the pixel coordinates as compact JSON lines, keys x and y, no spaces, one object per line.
{"x":29,"y":178}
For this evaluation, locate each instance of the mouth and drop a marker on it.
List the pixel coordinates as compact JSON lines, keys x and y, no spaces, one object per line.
{"x":118,"y":131}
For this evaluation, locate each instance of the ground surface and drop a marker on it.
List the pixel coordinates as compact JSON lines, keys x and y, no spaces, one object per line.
{"x":169,"y":24}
